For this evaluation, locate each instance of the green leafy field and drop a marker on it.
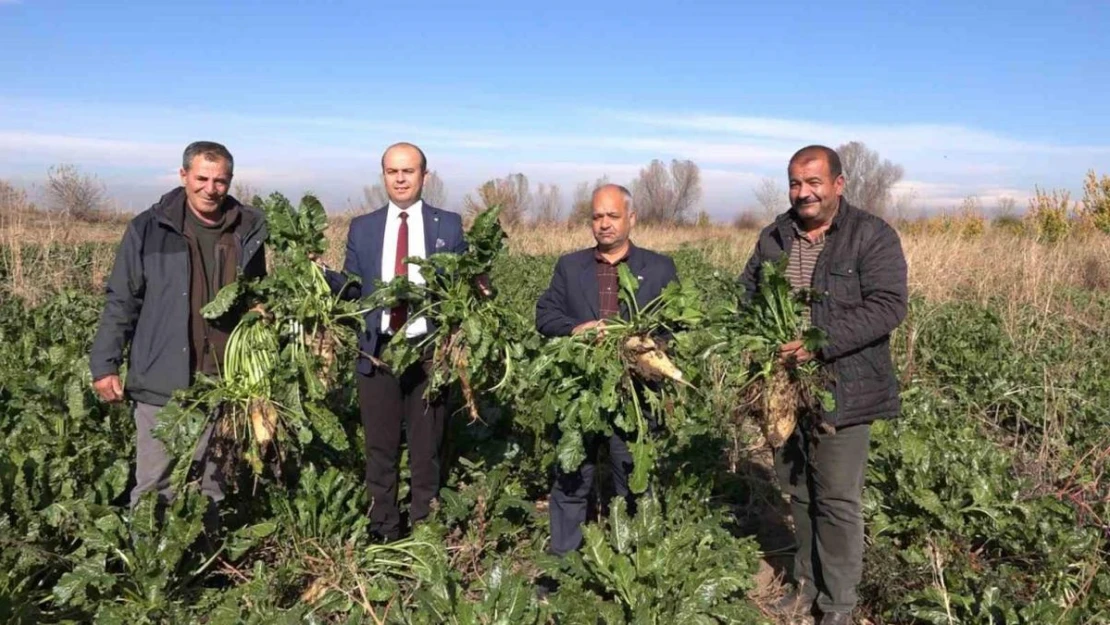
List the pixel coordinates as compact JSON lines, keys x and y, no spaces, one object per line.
{"x":986,"y":502}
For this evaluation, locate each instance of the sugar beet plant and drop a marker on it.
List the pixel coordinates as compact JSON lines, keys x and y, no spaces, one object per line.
{"x":475,"y":341}
{"x":616,"y":378}
{"x":743,"y":334}
{"x":282,"y":355}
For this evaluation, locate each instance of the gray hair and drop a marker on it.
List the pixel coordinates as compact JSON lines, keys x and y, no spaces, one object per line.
{"x":210,"y":150}
{"x":624,"y":192}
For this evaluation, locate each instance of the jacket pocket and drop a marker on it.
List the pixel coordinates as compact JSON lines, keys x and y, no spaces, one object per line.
{"x":844,"y":283}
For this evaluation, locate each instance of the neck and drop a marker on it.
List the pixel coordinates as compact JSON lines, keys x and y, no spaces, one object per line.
{"x":405,"y":205}
{"x":615,"y":252}
{"x":815,"y":228}
{"x":208,"y":219}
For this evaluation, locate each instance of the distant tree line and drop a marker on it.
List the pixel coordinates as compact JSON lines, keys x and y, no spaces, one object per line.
{"x":662,"y":193}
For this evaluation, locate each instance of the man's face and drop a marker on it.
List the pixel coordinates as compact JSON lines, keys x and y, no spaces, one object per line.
{"x":206,"y":183}
{"x":612,"y":221}
{"x":814,"y":193}
{"x":403,"y":176}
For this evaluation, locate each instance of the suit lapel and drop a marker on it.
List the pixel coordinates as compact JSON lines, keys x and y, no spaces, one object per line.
{"x":377,"y":247}
{"x":636,"y":265}
{"x":588,"y":278}
{"x":431,"y":229}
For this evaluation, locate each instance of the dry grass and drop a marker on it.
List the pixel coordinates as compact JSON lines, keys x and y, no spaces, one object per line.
{"x":40,"y":253}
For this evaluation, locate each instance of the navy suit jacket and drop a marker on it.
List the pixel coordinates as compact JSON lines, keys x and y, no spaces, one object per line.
{"x":572,"y":297}
{"x":443,"y":232}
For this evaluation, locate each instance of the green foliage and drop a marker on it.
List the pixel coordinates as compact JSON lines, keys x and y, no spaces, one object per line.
{"x":474,"y":340}
{"x":985,"y":502}
{"x":672,"y":565}
{"x":281,"y":357}
{"x":589,"y":384}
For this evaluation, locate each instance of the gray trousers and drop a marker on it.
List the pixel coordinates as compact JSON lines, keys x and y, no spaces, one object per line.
{"x":153,"y":465}
{"x":823,"y":476}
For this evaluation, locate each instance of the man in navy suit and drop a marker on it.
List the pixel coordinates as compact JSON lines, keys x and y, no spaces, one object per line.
{"x":584,"y":291}
{"x":377,"y":243}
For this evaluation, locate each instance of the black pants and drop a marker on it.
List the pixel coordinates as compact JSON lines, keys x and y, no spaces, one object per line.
{"x":823,"y":475}
{"x":571,"y":491}
{"x":385,"y":402}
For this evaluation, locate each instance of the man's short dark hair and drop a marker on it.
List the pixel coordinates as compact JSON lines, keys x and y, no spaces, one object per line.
{"x":813,"y":152}
{"x":210,"y":150}
{"x":405,"y":144}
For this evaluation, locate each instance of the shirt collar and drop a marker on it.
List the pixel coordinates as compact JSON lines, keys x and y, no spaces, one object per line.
{"x":395,"y":211}
{"x":796,"y":226}
{"x":601,"y":259}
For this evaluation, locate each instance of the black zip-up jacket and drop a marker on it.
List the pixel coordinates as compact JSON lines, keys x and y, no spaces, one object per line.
{"x":861,"y":274}
{"x":148,"y":298}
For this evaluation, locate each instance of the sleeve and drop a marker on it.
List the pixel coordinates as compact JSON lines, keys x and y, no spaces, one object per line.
{"x":551,"y":315}
{"x":749,"y":277}
{"x":338,"y":281}
{"x":125,"y":289}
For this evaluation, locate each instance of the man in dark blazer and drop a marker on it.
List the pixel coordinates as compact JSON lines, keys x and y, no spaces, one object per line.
{"x":377,"y":243}
{"x":584,"y":291}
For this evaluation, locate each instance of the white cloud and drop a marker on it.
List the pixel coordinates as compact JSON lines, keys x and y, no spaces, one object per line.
{"x":908,"y":137}
{"x":77,"y":146}
{"x":337,"y":155}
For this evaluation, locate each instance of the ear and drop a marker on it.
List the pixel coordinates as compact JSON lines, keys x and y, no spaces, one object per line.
{"x":632,"y":219}
{"x":184,"y":176}
{"x":838,"y":185}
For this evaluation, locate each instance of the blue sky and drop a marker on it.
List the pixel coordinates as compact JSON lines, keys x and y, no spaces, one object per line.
{"x":987,"y":100}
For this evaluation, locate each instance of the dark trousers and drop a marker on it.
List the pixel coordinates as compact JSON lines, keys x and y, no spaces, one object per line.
{"x":571,"y":491}
{"x":385,"y":403}
{"x":823,"y":475}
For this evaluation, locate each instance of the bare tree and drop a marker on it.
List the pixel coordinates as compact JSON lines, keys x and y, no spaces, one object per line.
{"x":373,"y":198}
{"x":547,"y":204}
{"x":435,"y":192}
{"x":662,"y":195}
{"x":245,"y":192}
{"x":1005,"y":206}
{"x":772,"y":197}
{"x":868,"y":181}
{"x":510,"y":192}
{"x":75,"y":195}
{"x":581,"y":208}
{"x":903,"y":206}
{"x":13,"y":202}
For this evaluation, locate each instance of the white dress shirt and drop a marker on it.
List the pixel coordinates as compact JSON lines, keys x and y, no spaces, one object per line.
{"x":419,"y":325}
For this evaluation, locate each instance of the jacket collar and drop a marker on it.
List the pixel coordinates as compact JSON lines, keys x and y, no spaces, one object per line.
{"x":634,"y":258}
{"x":171,"y":208}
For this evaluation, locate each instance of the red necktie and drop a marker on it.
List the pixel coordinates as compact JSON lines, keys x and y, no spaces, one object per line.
{"x":400,"y":313}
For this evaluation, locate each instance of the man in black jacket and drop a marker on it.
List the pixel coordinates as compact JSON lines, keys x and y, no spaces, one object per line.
{"x":584,"y":291}
{"x":854,"y":261}
{"x":174,"y":258}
